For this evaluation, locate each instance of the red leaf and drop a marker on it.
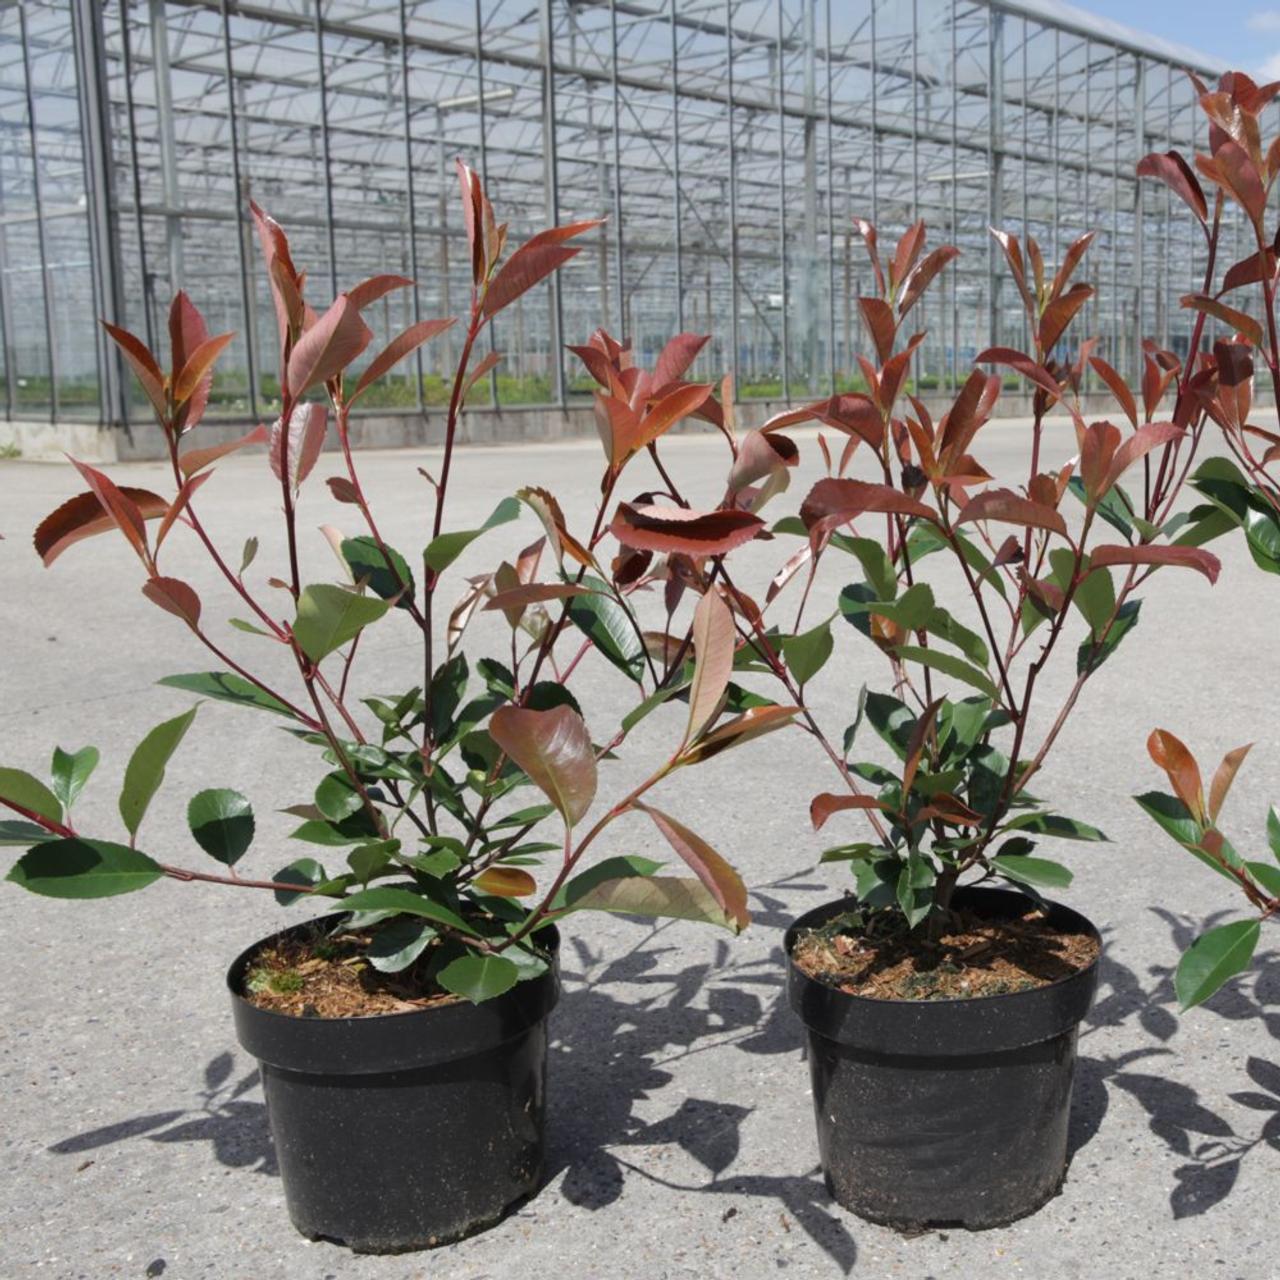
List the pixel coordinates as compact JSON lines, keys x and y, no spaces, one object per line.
{"x":695,"y":533}
{"x":1059,"y":314}
{"x":761,"y":454}
{"x":491,"y":358}
{"x":375,"y":287}
{"x":1007,"y":507}
{"x":1237,"y":320}
{"x":286,"y":288}
{"x":175,"y":597}
{"x":824,"y":805}
{"x":178,"y":505}
{"x":1024,"y":365}
{"x":1151,"y":435}
{"x":506,"y":882}
{"x":536,"y":593}
{"x":302,"y":443}
{"x":1119,"y":388}
{"x":676,"y":358}
{"x":751,"y":724}
{"x":326,"y":348}
{"x":1171,"y":755}
{"x":666,"y":412}
{"x":1237,"y":173}
{"x":597,"y":365}
{"x":119,"y":506}
{"x":1249,"y":270}
{"x":473,"y":206}
{"x":839,"y":500}
{"x":401,"y":345}
{"x":144,"y":367}
{"x":923,"y":276}
{"x":187,"y":331}
{"x":1069,"y":263}
{"x":868,"y":234}
{"x":721,"y":880}
{"x":1223,"y":777}
{"x":714,"y":643}
{"x":532,"y":262}
{"x":909,"y":245}
{"x":1171,"y":169}
{"x":198,"y":370}
{"x":343,"y":490}
{"x":1013,"y":255}
{"x":197,"y":459}
{"x":84,"y":516}
{"x":1187,"y":557}
{"x":554,"y":749}
{"x":883,"y":327}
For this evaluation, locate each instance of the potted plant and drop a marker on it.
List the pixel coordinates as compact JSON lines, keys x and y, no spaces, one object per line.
{"x":1240,"y":487}
{"x":402,"y":1033}
{"x":943,"y":992}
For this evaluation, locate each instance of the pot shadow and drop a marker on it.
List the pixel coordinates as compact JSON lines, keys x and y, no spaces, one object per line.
{"x":234,"y":1126}
{"x":626,"y":1021}
{"x":1211,"y":1148}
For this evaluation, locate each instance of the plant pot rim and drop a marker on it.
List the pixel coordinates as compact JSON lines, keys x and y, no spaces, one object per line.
{"x":365,"y":1044}
{"x":952,"y":1026}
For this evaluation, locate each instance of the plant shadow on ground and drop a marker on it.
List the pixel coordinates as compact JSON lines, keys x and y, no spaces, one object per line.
{"x":625,"y":1021}
{"x":1211,"y":1147}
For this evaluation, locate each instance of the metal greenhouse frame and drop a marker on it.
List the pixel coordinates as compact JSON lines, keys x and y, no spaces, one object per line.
{"x":729,"y":142}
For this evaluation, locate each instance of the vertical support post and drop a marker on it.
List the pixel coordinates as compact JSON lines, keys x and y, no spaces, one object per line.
{"x":46,"y":284}
{"x":552,"y":171}
{"x":1117,"y":350}
{"x":831,"y":217}
{"x":135,"y":181}
{"x":617,"y":173}
{"x":875,"y":124}
{"x":168,"y":146}
{"x":100,"y":206}
{"x":1057,"y":153}
{"x":241,"y":194}
{"x":323,"y":84}
{"x":735,"y":318}
{"x":809,"y":304}
{"x":953,"y":276}
{"x":484,"y":182}
{"x":1139,"y":213}
{"x":410,"y":197}
{"x":678,"y":239}
{"x":782,"y":204}
{"x":995,"y":163}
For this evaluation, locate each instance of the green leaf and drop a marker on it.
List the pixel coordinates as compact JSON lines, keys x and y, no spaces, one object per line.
{"x":672,"y":897}
{"x":84,"y":869}
{"x":22,"y":834}
{"x":656,"y":699}
{"x":1214,"y":957}
{"x":875,"y":563}
{"x":925,"y":539}
{"x":437,"y":864}
{"x":960,"y":724}
{"x":448,"y":684}
{"x":145,"y":771}
{"x":1267,"y":876}
{"x":618,"y":868}
{"x":1273,"y":831}
{"x":478,"y":978}
{"x":891,"y":719}
{"x":71,"y":770}
{"x":1053,"y":824}
{"x":1090,"y":656}
{"x":941,"y":624}
{"x":915,"y":888}
{"x":225,"y":686}
{"x":366,"y":860}
{"x":1095,"y":595}
{"x":336,"y":797}
{"x":807,"y":653}
{"x":949,"y":665}
{"x":306,"y":872}
{"x":221,"y":821}
{"x":389,"y":898}
{"x":20,"y":788}
{"x":875,"y":883}
{"x":329,"y":616}
{"x":1033,"y":871}
{"x":1206,"y":523}
{"x":524,"y":817}
{"x":368,"y":564}
{"x":1262,"y":533}
{"x":605,"y":623}
{"x":910,"y":610}
{"x":445,"y":549}
{"x":399,"y":943}
{"x":1114,"y":507}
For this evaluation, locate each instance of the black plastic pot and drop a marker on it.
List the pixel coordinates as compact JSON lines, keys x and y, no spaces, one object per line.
{"x":937,"y":1113}
{"x":407,"y":1130}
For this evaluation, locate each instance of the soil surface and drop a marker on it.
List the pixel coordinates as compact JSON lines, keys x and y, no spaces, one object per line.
{"x":878,"y":957}
{"x":323,"y":975}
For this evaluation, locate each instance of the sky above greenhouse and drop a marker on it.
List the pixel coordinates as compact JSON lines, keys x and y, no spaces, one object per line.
{"x":1245,"y":34}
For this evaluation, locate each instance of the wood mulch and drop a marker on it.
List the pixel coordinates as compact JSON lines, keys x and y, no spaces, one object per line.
{"x":972,"y":956}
